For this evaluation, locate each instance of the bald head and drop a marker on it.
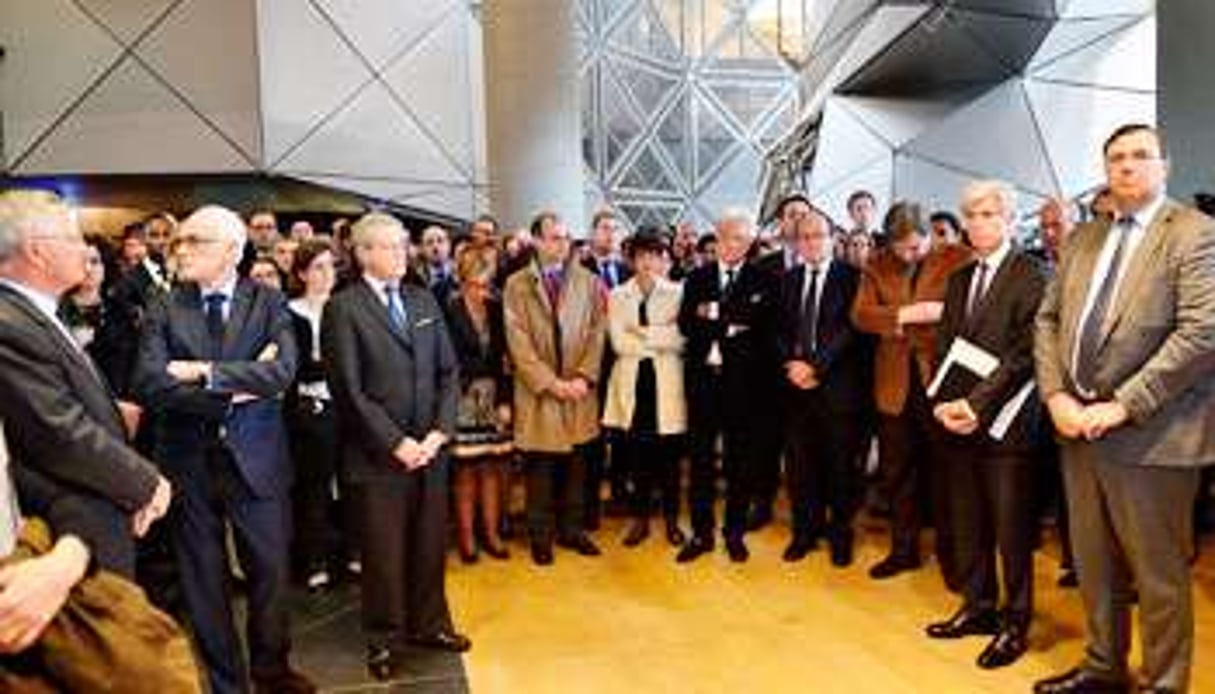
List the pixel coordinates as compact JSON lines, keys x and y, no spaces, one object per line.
{"x":209,"y":245}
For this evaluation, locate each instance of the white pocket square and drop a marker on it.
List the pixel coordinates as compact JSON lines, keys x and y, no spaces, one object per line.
{"x":423,"y":322}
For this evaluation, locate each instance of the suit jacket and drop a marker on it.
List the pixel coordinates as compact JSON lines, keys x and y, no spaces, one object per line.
{"x":1001,"y":324}
{"x":1157,"y":350}
{"x":661,"y":343}
{"x":621,"y":268}
{"x":259,"y":358}
{"x":887,"y":286}
{"x":70,"y":459}
{"x":750,"y":360}
{"x":838,"y":359}
{"x":542,"y":422}
{"x":387,"y":383}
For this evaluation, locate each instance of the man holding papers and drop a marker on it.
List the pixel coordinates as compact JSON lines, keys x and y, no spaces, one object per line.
{"x":1125,"y":353}
{"x":983,"y":399}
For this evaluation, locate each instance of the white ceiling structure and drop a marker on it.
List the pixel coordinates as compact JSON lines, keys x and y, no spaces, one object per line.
{"x":378,"y":97}
{"x":1036,"y":119}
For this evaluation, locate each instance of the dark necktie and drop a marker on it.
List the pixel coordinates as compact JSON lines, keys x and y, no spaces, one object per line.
{"x":552,"y":286}
{"x":977,"y":289}
{"x":643,"y":313}
{"x":1090,"y":331}
{"x":730,"y":275}
{"x":810,"y":315}
{"x":213,"y":304}
{"x":396,"y":311}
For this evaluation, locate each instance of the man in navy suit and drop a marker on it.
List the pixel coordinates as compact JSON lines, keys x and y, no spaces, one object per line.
{"x":823,"y":366}
{"x":217,"y":353}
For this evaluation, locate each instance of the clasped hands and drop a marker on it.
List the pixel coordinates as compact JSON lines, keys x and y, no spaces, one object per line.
{"x":1075,"y":420}
{"x":919,"y":313}
{"x":414,"y":454}
{"x":801,"y":374}
{"x":957,"y":417}
{"x":570,"y":388}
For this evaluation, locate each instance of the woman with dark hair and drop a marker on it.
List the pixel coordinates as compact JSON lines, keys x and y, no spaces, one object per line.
{"x":97,"y":322}
{"x":482,"y":441}
{"x":645,"y":398}
{"x":311,"y":418}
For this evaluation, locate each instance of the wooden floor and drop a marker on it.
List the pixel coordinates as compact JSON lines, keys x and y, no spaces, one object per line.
{"x":634,"y":621}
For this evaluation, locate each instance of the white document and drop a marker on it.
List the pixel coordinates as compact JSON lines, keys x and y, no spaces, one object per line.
{"x":1008,"y":413}
{"x":967,"y":355}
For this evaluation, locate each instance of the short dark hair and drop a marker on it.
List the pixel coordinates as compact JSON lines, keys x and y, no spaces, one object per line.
{"x":648,"y":239}
{"x":945,"y":216}
{"x":702,"y":243}
{"x":600,"y":216}
{"x":857,"y":195}
{"x":485,"y":218}
{"x":904,"y":219}
{"x":789,"y":200}
{"x":539,"y":220}
{"x":1131,"y":128}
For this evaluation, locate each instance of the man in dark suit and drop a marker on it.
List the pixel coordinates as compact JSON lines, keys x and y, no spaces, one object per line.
{"x":72,"y":464}
{"x":604,"y":260}
{"x":728,"y":316}
{"x":394,"y":378}
{"x":825,"y":391}
{"x":1125,"y":355}
{"x":991,"y":304}
{"x":217,"y":352}
{"x":789,"y":213}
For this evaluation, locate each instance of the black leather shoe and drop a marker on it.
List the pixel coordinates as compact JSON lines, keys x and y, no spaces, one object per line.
{"x":498,"y":551}
{"x":468,"y":557}
{"x":1003,"y":650}
{"x":451,"y":641}
{"x":841,"y":549}
{"x":281,"y":681}
{"x":759,"y":517}
{"x":966,"y":622}
{"x":380,"y":663}
{"x":637,"y":534}
{"x":737,"y":549}
{"x":1080,"y":681}
{"x":799,"y":547}
{"x":893,"y":565}
{"x":695,"y":547}
{"x":542,"y":553}
{"x":580,"y":544}
{"x":675,"y":536}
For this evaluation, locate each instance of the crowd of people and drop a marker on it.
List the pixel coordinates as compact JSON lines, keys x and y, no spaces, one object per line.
{"x":317,"y":404}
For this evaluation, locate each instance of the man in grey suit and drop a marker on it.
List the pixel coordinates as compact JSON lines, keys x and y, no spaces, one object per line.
{"x":1125,"y":353}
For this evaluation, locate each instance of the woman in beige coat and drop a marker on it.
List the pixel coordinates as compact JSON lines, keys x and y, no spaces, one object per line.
{"x":645,"y":398}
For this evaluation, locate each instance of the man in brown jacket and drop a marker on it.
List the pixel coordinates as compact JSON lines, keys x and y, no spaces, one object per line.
{"x":900,"y":301}
{"x":555,"y":322}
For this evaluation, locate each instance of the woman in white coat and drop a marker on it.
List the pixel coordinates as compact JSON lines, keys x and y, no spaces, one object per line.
{"x":645,"y":396}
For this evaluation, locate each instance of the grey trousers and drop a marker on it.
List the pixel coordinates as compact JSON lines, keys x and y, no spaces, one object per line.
{"x":1131,"y":530}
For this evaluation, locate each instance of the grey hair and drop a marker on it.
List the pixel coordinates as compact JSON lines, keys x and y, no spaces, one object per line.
{"x":738,"y":215}
{"x":220,"y":219}
{"x":977,"y":191}
{"x":361,"y":231}
{"x":25,"y":211}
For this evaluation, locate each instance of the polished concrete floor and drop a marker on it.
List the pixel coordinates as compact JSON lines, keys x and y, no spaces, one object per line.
{"x":634,"y":622}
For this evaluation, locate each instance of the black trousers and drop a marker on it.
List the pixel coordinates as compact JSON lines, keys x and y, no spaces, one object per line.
{"x":914,"y":481}
{"x":555,"y":494}
{"x":822,"y":474}
{"x":712,"y":412}
{"x":404,"y":539}
{"x":206,"y":497}
{"x":991,"y":498}
{"x":319,"y":517}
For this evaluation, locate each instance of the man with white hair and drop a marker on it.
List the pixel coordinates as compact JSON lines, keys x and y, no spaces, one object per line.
{"x":65,"y":431}
{"x":217,"y":353}
{"x":728,"y":317}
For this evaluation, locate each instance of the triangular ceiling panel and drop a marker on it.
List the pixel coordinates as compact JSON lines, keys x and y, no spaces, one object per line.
{"x":1070,"y":35}
{"x":713,"y":137}
{"x":126,"y":18}
{"x":647,"y":173}
{"x":649,"y":86}
{"x":643,"y":33}
{"x":1124,"y":60}
{"x":882,"y":27}
{"x":898,"y":121}
{"x":1075,"y":122}
{"x":737,"y":47}
{"x":380,"y":29}
{"x":41,"y":79}
{"x":749,"y":102}
{"x":453,"y":201}
{"x":845,"y":145}
{"x":621,"y":124}
{"x":133,"y":124}
{"x":934,"y":187}
{"x":1104,"y":8}
{"x":845,"y":17}
{"x":433,"y":81}
{"x":1027,"y":8}
{"x":674,"y":134}
{"x":737,"y":184}
{"x":205,"y":50}
{"x":373,"y":138}
{"x":293,"y":41}
{"x":996,"y":134}
{"x":876,"y":178}
{"x":383,"y":191}
{"x":1012,"y":40}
